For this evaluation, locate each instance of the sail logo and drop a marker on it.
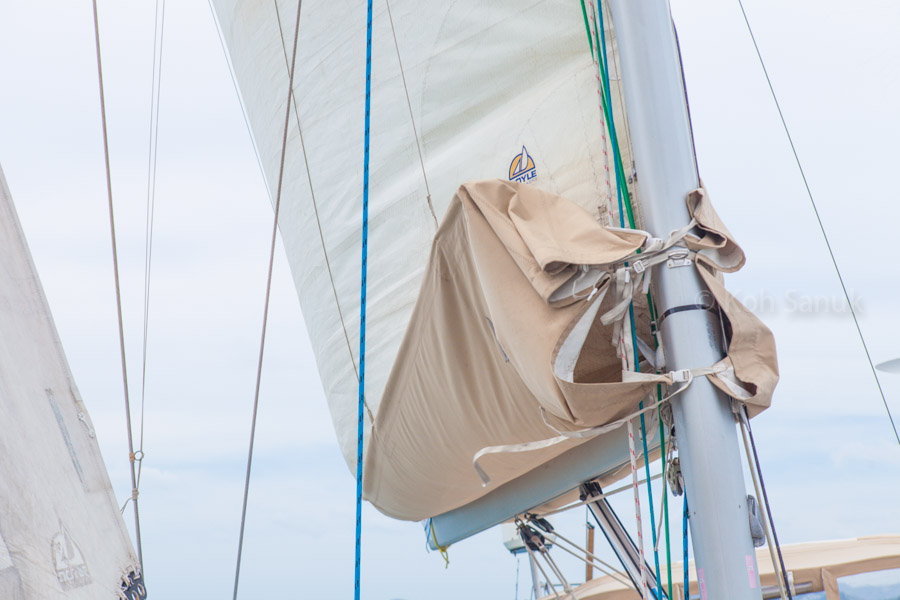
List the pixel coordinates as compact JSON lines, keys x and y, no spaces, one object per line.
{"x":132,"y":585}
{"x":71,"y":569}
{"x":522,"y":168}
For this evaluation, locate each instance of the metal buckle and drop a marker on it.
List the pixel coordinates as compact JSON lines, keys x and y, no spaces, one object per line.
{"x":679,"y":258}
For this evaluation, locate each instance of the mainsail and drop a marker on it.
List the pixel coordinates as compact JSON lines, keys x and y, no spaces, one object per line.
{"x":503,"y":90}
{"x":61,"y":534}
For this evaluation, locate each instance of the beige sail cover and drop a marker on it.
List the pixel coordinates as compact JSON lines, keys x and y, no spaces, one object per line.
{"x":480,"y":364}
{"x":482,"y":90}
{"x":61,"y":534}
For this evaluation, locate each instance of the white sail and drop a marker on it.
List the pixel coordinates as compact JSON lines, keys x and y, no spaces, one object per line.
{"x":500,"y":90}
{"x":61,"y":534}
{"x":483,"y":83}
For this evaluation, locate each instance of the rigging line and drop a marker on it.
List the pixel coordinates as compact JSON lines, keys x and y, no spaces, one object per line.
{"x":237,"y":93}
{"x":592,"y":499}
{"x":362,"y":307}
{"x":518,"y":561}
{"x":536,"y":562}
{"x":745,"y":422}
{"x":265,"y":319}
{"x":615,"y":63}
{"x":112,"y":231}
{"x":315,"y":206}
{"x":765,"y":516}
{"x":155,"y":86}
{"x":637,"y":508}
{"x":412,"y":119}
{"x":684,"y":543}
{"x":596,"y":561}
{"x":821,"y":225}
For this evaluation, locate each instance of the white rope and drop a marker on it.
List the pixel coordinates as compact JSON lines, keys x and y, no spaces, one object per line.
{"x":155,"y":86}
{"x":412,"y":119}
{"x":262,"y":341}
{"x":115,"y":257}
{"x":592,"y":499}
{"x":685,"y":376}
{"x":604,"y":144}
{"x":637,"y":510}
{"x":537,"y":563}
{"x":315,"y":206}
{"x":595,"y":561}
{"x":763,"y":514}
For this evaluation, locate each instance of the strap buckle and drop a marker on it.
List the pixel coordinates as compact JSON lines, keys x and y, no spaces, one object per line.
{"x":639,"y":266}
{"x":679,"y":258}
{"x":682,"y":376}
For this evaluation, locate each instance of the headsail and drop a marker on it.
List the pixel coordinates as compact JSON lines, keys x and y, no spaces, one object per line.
{"x":482,"y":82}
{"x":61,"y":534}
{"x":497,"y":90}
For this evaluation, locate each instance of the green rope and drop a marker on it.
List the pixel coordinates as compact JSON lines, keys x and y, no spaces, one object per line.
{"x":587,"y":28}
{"x":607,"y":110}
{"x":662,"y":443}
{"x":626,"y":209}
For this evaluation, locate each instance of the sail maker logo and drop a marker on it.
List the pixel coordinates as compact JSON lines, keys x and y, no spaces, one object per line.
{"x":71,"y":569}
{"x":522,"y":168}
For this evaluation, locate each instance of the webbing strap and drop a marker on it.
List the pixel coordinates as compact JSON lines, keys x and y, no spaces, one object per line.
{"x":685,"y":377}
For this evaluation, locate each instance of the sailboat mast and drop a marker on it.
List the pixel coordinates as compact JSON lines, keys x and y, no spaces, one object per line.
{"x":705,"y":427}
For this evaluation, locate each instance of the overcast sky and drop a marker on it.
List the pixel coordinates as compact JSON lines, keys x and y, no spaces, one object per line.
{"x":830,"y":458}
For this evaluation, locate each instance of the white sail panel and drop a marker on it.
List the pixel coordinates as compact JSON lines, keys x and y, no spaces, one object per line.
{"x":494,"y":88}
{"x":61,"y":534}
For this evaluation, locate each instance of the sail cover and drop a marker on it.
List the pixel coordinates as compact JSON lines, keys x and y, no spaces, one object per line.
{"x":61,"y":534}
{"x":505,"y":90}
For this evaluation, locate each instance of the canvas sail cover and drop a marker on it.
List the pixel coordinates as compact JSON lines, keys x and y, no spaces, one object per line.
{"x":61,"y":534}
{"x":514,"y":345}
{"x":486,"y":90}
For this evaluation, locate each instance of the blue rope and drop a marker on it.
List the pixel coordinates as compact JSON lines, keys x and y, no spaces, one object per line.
{"x":362,"y":307}
{"x":684,"y":534}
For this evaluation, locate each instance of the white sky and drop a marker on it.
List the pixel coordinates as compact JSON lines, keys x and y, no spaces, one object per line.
{"x":830,"y":459}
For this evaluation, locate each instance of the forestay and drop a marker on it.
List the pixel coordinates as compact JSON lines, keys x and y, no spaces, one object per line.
{"x":61,"y":534}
